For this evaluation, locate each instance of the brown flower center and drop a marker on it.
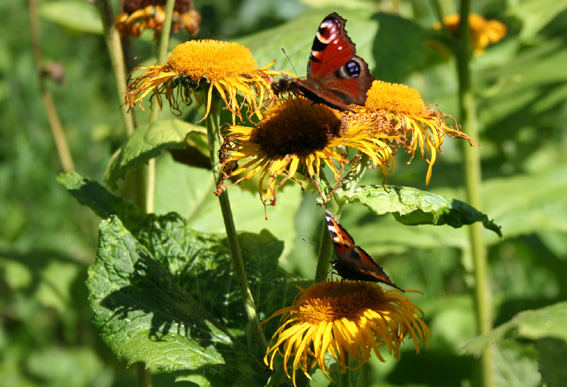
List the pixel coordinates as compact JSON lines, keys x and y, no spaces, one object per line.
{"x":331,"y":301}
{"x":296,"y":126}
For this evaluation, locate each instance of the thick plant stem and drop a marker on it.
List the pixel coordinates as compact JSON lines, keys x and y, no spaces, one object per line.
{"x":335,"y":205}
{"x":473,"y":182}
{"x":343,"y":379}
{"x":324,"y":254}
{"x":212,"y":121}
{"x":57,"y":131}
{"x":143,"y":376}
{"x":162,"y":53}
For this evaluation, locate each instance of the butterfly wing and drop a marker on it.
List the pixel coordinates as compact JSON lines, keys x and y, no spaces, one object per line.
{"x":331,"y":49}
{"x":352,"y":261}
{"x":335,"y":74}
{"x":343,"y":242}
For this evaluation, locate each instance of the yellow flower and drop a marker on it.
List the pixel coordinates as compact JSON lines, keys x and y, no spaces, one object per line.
{"x":139,"y":15}
{"x":483,"y":32}
{"x":296,"y":135}
{"x":227,"y":67}
{"x":348,"y":320}
{"x":397,"y":112}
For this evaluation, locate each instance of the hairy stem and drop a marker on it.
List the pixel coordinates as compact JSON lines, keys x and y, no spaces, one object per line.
{"x":213,"y":126}
{"x":473,"y":183}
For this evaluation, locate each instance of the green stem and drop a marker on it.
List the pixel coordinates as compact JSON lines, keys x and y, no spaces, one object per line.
{"x":165,"y":31}
{"x":324,"y":254}
{"x":144,"y":379}
{"x":343,"y":379}
{"x":162,"y":53}
{"x":213,"y":126}
{"x":473,"y":183}
{"x":335,"y":205}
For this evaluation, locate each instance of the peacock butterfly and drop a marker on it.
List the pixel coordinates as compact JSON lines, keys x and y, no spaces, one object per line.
{"x":352,"y":262}
{"x":336,"y":76}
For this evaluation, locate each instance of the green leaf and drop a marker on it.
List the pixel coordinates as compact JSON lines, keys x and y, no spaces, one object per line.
{"x":531,"y":324}
{"x":58,"y":366}
{"x":535,"y":14}
{"x":142,"y":313}
{"x":160,"y":298}
{"x":77,"y":15}
{"x":528,"y":203}
{"x":527,"y":92}
{"x":522,"y":204}
{"x":98,"y":199}
{"x":149,"y":141}
{"x":551,"y":359}
{"x":412,"y":207}
{"x":515,"y":364}
{"x":159,"y":290}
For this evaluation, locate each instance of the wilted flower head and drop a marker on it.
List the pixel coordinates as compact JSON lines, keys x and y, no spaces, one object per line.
{"x":397,"y":112}
{"x":296,"y":135}
{"x":483,"y":32}
{"x":226,"y":67}
{"x":348,"y":321}
{"x":150,"y":14}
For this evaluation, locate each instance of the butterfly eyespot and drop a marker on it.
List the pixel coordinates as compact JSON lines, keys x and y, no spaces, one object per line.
{"x":353,"y":69}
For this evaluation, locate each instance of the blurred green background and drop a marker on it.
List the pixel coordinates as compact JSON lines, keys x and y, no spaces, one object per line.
{"x":47,"y":240}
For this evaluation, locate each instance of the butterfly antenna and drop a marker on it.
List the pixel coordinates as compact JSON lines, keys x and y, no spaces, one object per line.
{"x":289,"y":60}
{"x":308,"y":241}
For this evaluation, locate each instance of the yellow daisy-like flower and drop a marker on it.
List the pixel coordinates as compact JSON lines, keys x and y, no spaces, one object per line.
{"x":483,"y":32}
{"x":297,"y":135}
{"x":348,"y":320}
{"x":227,"y":67}
{"x":398,"y":112}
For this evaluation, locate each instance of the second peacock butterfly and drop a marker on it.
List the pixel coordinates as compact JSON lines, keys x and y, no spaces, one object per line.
{"x":352,"y":261}
{"x":336,"y":76}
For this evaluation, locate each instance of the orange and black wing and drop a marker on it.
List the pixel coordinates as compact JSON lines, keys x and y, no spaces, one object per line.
{"x":352,"y":261}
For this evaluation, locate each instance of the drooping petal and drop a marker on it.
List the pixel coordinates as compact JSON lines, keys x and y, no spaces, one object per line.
{"x":347,"y":320}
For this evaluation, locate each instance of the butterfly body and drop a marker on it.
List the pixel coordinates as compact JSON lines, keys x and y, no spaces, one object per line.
{"x":336,"y":76}
{"x":352,"y":261}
